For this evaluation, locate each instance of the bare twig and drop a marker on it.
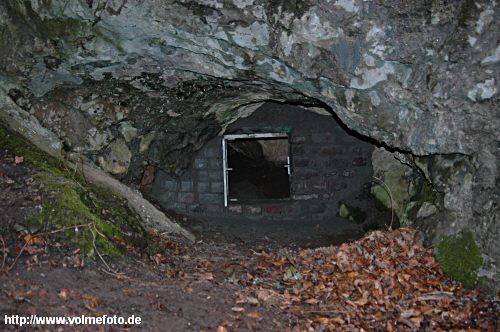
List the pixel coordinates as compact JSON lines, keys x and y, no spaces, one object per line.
{"x":123,"y":276}
{"x":390,"y":196}
{"x":63,"y":229}
{"x":4,"y":252}
{"x":18,"y":255}
{"x":97,"y":251}
{"x":435,"y":296}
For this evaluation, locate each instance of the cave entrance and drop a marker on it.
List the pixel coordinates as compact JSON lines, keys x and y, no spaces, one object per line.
{"x":256,"y":167}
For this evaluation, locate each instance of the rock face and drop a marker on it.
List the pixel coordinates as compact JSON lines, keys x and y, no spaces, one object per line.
{"x":137,"y":83}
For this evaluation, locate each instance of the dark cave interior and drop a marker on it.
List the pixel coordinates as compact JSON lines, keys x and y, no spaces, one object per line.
{"x":256,"y":175}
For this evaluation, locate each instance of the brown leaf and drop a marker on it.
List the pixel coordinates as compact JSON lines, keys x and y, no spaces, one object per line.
{"x":252,"y":300}
{"x":254,"y":314}
{"x":264,"y":295}
{"x":158,"y":258}
{"x":90,"y":301}
{"x":129,"y":291}
{"x":238,"y":309}
{"x":18,"y":160}
{"x":206,"y":276}
{"x":363,"y":300}
{"x":63,"y":294}
{"x":221,"y":328}
{"x":310,"y":301}
{"x":31,"y":239}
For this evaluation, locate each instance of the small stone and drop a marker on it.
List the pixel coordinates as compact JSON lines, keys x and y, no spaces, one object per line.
{"x":426,"y":210}
{"x":128,"y":131}
{"x":118,"y":159}
{"x":146,"y":141}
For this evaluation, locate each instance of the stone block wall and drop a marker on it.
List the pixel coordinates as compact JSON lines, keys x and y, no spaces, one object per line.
{"x":328,"y":165}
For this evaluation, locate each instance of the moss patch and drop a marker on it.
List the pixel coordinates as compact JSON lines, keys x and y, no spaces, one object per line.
{"x":103,"y":219}
{"x":32,"y":155}
{"x":460,"y":258}
{"x":468,"y":12}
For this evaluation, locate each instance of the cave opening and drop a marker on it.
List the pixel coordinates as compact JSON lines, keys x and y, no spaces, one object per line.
{"x":283,"y":173}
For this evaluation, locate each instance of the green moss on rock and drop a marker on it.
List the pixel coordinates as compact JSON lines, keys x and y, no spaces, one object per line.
{"x":32,"y":155}
{"x":460,"y":258}
{"x":66,"y":210}
{"x":86,"y":216}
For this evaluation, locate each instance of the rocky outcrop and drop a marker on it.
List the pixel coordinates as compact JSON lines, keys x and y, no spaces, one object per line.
{"x":135,"y":83}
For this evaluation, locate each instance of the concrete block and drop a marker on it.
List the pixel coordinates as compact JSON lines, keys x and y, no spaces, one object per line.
{"x":295,"y":209}
{"x":339,"y":186}
{"x":304,"y":173}
{"x":187,"y":186}
{"x":348,"y":173}
{"x":201,"y":163}
{"x":205,"y":198}
{"x":215,"y":164}
{"x":317,"y":207}
{"x":170,"y":185}
{"x":169,"y":197}
{"x":322,"y":137}
{"x":217,"y":187}
{"x":298,"y":150}
{"x":253,"y":209}
{"x":328,"y":196}
{"x":332,"y":173}
{"x":214,"y":208}
{"x":359,"y":161}
{"x":299,"y":186}
{"x":301,"y":162}
{"x":329,"y":151}
{"x":319,"y":185}
{"x":196,"y":208}
{"x":274,"y":209}
{"x":203,"y":175}
{"x":203,"y":187}
{"x":212,"y":152}
{"x":298,"y":139}
{"x":235,"y":208}
{"x":305,"y":197}
{"x":215,"y":175}
{"x":180,"y":207}
{"x":186,"y":198}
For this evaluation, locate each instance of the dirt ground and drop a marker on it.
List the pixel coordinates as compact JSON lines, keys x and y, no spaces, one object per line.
{"x":217,"y":284}
{"x":173,"y":290}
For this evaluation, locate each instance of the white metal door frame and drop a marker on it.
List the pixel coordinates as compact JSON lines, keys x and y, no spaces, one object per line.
{"x":226,"y":168}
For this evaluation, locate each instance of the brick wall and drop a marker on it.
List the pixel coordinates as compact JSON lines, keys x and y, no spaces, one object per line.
{"x":328,"y":166}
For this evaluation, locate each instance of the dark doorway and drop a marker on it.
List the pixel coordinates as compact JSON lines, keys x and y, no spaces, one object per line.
{"x":258,"y":169}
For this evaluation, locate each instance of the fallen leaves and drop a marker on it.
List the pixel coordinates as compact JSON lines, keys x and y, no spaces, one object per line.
{"x":66,"y":293}
{"x":384,"y":281}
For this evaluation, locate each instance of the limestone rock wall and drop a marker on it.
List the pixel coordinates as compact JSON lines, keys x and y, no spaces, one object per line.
{"x":130,"y":83}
